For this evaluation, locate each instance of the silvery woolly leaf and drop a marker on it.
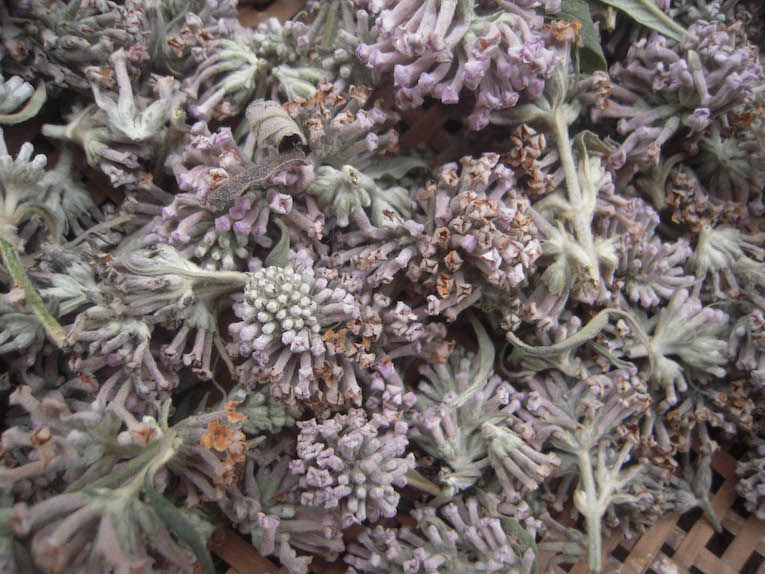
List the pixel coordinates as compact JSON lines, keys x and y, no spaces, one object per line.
{"x":179,"y":525}
{"x":395,"y":167}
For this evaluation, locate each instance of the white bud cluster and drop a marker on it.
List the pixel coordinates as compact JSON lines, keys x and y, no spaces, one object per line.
{"x":281,"y":300}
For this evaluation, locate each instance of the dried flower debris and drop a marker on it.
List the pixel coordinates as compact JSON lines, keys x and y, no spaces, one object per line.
{"x":400,"y":358}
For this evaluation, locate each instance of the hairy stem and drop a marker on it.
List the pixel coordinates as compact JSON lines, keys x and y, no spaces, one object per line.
{"x":591,"y":510}
{"x":582,"y":207}
{"x":16,"y":270}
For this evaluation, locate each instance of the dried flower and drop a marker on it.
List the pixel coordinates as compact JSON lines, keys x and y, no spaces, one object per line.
{"x":19,"y":101}
{"x":747,"y":345}
{"x":262,"y":326}
{"x":351,"y":151}
{"x":352,"y":462}
{"x":441,"y":48}
{"x":699,"y":81}
{"x":224,"y":240}
{"x":58,"y":40}
{"x":588,"y":427}
{"x":466,"y":539}
{"x":691,"y":332}
{"x":465,"y":418}
{"x":285,"y":333}
{"x":233,"y":74}
{"x":121,"y":130}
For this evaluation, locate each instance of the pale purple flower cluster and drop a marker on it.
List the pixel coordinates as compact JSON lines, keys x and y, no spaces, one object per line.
{"x":662,"y":87}
{"x":285,"y":333}
{"x":352,"y":462}
{"x":443,"y":47}
{"x":355,"y":323}
{"x":474,"y":235}
{"x":217,"y":240}
{"x":463,"y":537}
{"x":270,"y":511}
{"x":469,"y":428}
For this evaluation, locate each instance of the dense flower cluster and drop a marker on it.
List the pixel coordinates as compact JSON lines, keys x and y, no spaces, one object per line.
{"x":443,"y":47}
{"x":254,"y":278}
{"x":354,"y":463}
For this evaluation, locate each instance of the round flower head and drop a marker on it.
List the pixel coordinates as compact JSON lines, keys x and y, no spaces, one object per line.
{"x":280,"y":299}
{"x":287,"y":314}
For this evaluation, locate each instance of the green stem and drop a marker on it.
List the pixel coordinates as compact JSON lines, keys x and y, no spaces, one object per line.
{"x":592,"y":512}
{"x":128,"y":469}
{"x":330,"y":29}
{"x":223,"y":354}
{"x":145,"y":465}
{"x":13,"y":264}
{"x":233,"y":278}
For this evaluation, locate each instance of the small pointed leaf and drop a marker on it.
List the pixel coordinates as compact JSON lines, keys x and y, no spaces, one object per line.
{"x":179,"y":525}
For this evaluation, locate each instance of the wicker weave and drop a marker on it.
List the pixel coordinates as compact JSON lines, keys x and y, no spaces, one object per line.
{"x":688,"y":544}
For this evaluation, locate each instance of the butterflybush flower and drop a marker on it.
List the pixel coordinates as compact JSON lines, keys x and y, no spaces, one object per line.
{"x":119,"y":132}
{"x":350,"y":153}
{"x":269,"y":510}
{"x":441,"y":48}
{"x":285,"y":333}
{"x":699,"y":81}
{"x":451,"y":426}
{"x":233,"y":74}
{"x":227,"y":239}
{"x":463,"y":535}
{"x":328,"y":44}
{"x":650,"y":270}
{"x":237,"y":298}
{"x":475,"y":231}
{"x":352,"y":462}
{"x":750,"y":484}
{"x":180,"y":33}
{"x":19,"y":101}
{"x":587,"y":424}
{"x":747,"y":345}
{"x":692,"y":333}
{"x":59,"y":40}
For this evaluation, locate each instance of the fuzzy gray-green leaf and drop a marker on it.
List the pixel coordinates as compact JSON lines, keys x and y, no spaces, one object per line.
{"x":179,"y":525}
{"x":395,"y":167}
